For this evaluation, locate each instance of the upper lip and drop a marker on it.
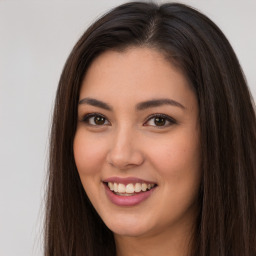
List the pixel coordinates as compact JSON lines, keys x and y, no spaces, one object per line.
{"x":127,"y":180}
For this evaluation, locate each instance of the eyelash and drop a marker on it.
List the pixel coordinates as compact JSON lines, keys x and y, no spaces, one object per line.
{"x":166,"y":118}
{"x":88,"y":116}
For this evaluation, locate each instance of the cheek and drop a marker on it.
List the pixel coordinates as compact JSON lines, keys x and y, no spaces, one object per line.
{"x":177,"y":156}
{"x":178,"y":165}
{"x":89,"y":153}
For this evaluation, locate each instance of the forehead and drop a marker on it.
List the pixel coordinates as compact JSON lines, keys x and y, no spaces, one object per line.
{"x":137,"y":73}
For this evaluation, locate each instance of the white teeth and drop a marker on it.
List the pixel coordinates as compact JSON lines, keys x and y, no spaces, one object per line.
{"x":137,"y":187}
{"x":115,"y":187}
{"x":129,"y":188}
{"x":144,"y":186}
{"x":121,"y":188}
{"x":111,"y":186}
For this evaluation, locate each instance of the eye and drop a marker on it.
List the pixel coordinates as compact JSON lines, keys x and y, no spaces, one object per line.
{"x":160,"y":121}
{"x":95,"y":119}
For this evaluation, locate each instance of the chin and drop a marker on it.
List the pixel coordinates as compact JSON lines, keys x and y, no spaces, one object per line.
{"x":129,"y":231}
{"x":128,"y":227}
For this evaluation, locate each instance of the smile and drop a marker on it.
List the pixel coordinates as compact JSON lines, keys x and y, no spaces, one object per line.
{"x":128,"y":191}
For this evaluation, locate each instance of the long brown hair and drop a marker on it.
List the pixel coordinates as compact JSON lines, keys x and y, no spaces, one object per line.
{"x":226,"y":223}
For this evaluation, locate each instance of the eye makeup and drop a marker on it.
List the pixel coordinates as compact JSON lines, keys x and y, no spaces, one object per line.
{"x":158,"y":120}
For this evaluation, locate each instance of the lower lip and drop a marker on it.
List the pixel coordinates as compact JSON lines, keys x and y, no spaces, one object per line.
{"x":128,"y":200}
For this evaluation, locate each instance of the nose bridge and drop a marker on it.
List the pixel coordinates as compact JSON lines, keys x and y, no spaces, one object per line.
{"x":123,"y":137}
{"x":124,"y":151}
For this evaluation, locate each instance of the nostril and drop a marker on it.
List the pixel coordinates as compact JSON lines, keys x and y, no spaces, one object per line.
{"x":125,"y":160}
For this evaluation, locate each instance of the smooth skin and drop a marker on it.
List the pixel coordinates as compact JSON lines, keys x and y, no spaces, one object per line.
{"x":118,"y":139}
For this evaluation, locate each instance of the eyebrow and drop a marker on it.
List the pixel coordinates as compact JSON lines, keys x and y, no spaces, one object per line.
{"x":157,"y":103}
{"x":95,"y":103}
{"x":140,"y":106}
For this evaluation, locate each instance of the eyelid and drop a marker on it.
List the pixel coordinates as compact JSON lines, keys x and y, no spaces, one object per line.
{"x":86,"y":117}
{"x":168,"y":118}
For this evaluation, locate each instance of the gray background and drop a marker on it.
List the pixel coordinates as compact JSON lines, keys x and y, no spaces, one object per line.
{"x":35,"y":40}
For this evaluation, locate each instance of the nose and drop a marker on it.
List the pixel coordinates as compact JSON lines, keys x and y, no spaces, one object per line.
{"x":125,"y":151}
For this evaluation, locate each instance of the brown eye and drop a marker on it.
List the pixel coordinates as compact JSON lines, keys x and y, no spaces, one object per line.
{"x":95,"y":120}
{"x":159,"y":121}
{"x":99,"y":120}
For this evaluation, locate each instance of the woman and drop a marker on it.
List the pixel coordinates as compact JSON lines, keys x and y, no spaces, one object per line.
{"x":153,"y":140}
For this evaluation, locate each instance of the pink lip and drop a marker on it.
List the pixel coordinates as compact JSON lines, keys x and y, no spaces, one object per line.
{"x":127,"y":200}
{"x":127,"y":180}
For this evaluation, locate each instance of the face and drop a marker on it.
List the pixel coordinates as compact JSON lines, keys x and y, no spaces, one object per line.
{"x":137,"y":147}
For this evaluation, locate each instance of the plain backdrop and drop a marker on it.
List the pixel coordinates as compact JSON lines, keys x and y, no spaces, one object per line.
{"x":35,"y":40}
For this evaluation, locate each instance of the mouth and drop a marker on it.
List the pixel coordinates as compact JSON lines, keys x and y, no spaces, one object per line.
{"x":128,"y":191}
